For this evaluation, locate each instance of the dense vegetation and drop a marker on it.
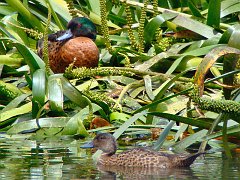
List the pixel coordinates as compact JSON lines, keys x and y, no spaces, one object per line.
{"x":155,"y":58}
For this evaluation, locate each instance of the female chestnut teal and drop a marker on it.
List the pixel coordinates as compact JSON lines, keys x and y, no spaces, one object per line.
{"x":138,"y":157}
{"x":74,"y":45}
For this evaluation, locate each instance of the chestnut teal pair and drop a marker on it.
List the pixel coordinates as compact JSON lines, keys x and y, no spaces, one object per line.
{"x":138,"y":157}
{"x":73,"y":45}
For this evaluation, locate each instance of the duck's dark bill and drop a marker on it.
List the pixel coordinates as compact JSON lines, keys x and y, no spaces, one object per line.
{"x":87,"y":145}
{"x":68,"y":34}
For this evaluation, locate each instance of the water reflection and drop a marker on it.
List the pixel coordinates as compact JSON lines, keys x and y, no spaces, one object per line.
{"x":21,"y":158}
{"x":145,"y":173}
{"x":214,"y":166}
{"x":53,"y":158}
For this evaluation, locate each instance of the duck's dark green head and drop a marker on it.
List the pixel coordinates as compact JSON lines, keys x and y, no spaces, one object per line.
{"x":103,"y":141}
{"x":79,"y":26}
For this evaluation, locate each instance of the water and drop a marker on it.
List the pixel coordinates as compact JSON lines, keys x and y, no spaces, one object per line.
{"x":55,"y":158}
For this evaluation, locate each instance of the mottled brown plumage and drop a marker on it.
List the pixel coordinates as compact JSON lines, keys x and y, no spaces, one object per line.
{"x":137,"y":157}
{"x":75,"y":45}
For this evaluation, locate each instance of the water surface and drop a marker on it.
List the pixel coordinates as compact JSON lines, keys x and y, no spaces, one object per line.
{"x":61,"y":158}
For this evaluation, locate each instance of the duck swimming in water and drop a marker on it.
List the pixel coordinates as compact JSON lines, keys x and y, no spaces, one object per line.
{"x":74,"y":45}
{"x":138,"y":157}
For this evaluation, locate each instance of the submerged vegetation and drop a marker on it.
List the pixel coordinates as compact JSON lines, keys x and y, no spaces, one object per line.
{"x":165,"y":66}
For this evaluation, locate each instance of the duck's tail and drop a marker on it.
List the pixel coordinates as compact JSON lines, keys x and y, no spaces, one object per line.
{"x":187,"y":160}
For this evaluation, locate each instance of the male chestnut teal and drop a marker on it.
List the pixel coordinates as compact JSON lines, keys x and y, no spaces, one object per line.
{"x":73,"y":45}
{"x":138,"y":157}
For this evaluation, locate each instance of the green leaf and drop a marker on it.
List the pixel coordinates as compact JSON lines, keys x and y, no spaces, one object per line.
{"x":181,"y":145}
{"x":72,"y":93}
{"x":234,"y":40}
{"x":75,"y":124}
{"x":58,"y":6}
{"x":94,"y":6}
{"x":55,"y":93}
{"x":125,"y":125}
{"x":213,"y":18}
{"x":119,"y":39}
{"x":151,"y":28}
{"x":9,"y":91}
{"x":72,"y":125}
{"x":33,"y":60}
{"x":26,"y":108}
{"x":163,"y":135}
{"x":39,"y":86}
{"x":196,"y":26}
{"x":149,"y":63}
{"x":188,"y":63}
{"x":97,"y":20}
{"x":163,"y":88}
{"x":229,"y":7}
{"x":119,"y":116}
{"x":58,"y":22}
{"x":38,"y":90}
{"x":229,"y":64}
{"x":148,"y":86}
{"x":14,"y":103}
{"x":155,"y":103}
{"x":202,"y":51}
{"x":230,"y":130}
{"x":5,"y":10}
{"x":10,"y":61}
{"x":194,"y":9}
{"x":19,"y":7}
{"x":137,"y":91}
{"x":198,"y":122}
{"x":227,"y":34}
{"x":182,"y":129}
{"x":12,"y":26}
{"x":58,"y":122}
